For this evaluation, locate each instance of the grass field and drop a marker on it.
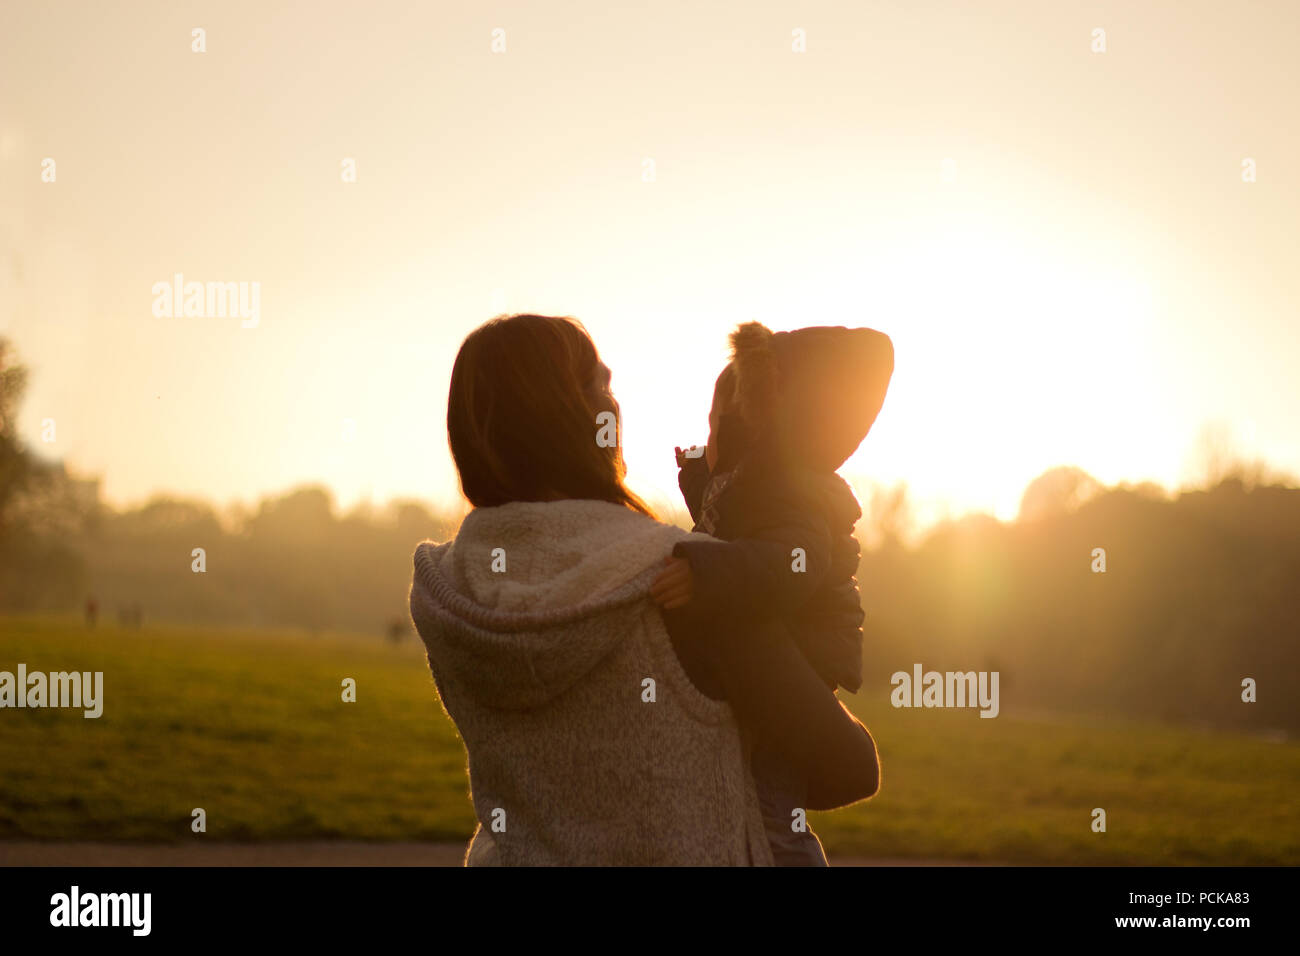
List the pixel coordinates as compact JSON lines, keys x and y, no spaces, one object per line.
{"x":250,"y":727}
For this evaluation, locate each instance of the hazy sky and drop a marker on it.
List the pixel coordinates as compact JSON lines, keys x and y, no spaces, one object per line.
{"x":1088,"y":281}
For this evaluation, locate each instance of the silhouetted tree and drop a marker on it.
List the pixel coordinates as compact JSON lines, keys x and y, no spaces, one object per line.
{"x":1057,"y":491}
{"x":41,"y":509}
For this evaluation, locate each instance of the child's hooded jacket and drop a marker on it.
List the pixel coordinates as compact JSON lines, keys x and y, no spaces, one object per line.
{"x":804,"y":402}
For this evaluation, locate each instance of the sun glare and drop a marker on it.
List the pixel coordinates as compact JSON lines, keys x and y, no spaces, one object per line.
{"x":1008,"y":362}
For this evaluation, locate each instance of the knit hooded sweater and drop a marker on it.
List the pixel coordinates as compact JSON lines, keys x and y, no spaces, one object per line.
{"x":586,"y":741}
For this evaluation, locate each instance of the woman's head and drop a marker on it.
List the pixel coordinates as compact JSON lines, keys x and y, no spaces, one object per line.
{"x":526,"y":391}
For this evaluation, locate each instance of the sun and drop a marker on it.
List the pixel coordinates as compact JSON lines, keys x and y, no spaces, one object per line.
{"x":1009,"y":360}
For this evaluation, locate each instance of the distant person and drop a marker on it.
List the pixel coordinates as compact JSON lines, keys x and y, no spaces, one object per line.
{"x":396,"y":630}
{"x":598,"y":729}
{"x":788,"y":411}
{"x":92,"y":612}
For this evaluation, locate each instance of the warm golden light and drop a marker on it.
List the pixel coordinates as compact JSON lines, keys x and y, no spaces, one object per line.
{"x":662,"y":178}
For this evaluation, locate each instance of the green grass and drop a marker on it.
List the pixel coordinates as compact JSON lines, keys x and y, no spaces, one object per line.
{"x":250,"y":727}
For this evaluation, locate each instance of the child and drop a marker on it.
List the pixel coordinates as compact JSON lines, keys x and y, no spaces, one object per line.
{"x":788,"y":410}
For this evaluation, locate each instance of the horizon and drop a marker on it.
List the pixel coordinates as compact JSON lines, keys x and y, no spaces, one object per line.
{"x":1252,"y":474}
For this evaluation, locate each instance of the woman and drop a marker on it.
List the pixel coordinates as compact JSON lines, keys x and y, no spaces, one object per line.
{"x":595,"y":725}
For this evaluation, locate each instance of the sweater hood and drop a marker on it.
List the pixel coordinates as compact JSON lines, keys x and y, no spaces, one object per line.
{"x":570,"y":578}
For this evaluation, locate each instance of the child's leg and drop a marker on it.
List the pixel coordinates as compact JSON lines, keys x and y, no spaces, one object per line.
{"x":781,"y":797}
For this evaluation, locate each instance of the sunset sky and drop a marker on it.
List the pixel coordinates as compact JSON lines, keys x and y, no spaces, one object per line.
{"x":1088,"y":282}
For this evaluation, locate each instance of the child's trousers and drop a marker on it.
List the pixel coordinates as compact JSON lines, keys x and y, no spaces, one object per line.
{"x":781,"y":792}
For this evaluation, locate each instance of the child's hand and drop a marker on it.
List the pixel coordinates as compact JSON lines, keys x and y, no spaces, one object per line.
{"x":674,"y":586}
{"x":695,"y":451}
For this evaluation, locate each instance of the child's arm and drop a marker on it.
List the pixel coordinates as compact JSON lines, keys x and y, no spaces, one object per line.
{"x":692,"y":477}
{"x":775,"y":568}
{"x":828,"y":631}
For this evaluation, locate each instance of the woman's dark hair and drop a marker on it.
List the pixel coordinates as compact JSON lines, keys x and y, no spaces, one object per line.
{"x":525,"y":394}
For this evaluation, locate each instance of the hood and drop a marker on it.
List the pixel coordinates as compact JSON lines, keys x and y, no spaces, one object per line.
{"x":818,"y":390}
{"x":575,"y":574}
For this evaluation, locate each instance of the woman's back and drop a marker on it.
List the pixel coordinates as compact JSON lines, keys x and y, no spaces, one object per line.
{"x":587,"y":743}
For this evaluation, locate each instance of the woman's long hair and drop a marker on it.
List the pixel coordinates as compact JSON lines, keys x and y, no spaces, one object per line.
{"x":522,"y":411}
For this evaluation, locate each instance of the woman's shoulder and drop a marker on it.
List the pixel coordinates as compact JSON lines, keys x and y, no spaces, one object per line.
{"x":564,"y":549}
{"x":573,"y":519}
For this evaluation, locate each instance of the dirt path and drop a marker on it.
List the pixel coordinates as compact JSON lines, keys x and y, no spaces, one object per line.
{"x":310,"y":853}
